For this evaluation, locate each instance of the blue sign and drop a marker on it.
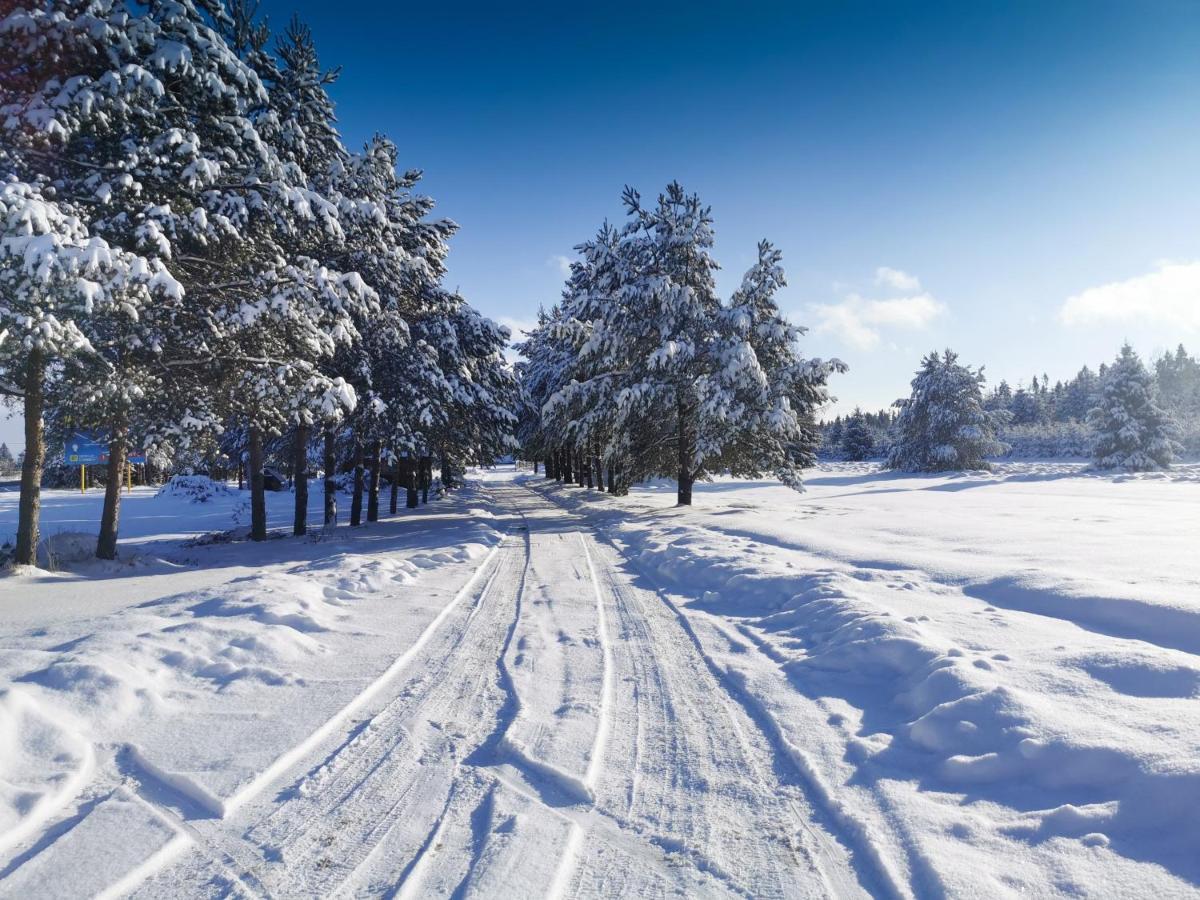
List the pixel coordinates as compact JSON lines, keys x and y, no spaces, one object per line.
{"x":81,"y":450}
{"x":85,"y":450}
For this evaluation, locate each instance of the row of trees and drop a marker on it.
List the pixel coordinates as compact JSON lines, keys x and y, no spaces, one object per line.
{"x":1043,"y":419}
{"x":947,"y":423}
{"x":189,"y":254}
{"x":643,"y":370}
{"x":1176,"y":375}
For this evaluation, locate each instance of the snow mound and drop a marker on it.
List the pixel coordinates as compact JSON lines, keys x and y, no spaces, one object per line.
{"x":194,"y":489}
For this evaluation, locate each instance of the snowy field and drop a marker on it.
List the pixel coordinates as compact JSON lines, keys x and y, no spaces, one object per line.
{"x":892,"y":685}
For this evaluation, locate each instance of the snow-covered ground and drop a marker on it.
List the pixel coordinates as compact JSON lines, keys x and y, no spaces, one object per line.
{"x":894,"y":685}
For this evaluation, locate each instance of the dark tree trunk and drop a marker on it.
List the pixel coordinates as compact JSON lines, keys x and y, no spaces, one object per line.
{"x":258,"y":492}
{"x":300,"y":480}
{"x":394,"y":502}
{"x":426,"y":477}
{"x":447,"y":472}
{"x":330,"y":476}
{"x":599,"y":470}
{"x":356,"y":499}
{"x":535,"y":467}
{"x":411,"y":499}
{"x":30,"y":506}
{"x":373,"y":489}
{"x":582,"y":475}
{"x":686,"y":476}
{"x":110,"y":517}
{"x":241,"y":475}
{"x":610,"y":478}
{"x":587,"y":466}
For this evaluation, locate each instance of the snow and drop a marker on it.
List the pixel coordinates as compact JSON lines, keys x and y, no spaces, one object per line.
{"x":1011,"y":661}
{"x":894,"y":684}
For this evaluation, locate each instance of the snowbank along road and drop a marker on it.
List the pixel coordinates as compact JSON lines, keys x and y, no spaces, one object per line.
{"x":544,"y":692}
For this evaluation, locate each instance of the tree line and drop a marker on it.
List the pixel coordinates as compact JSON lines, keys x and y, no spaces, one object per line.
{"x":1125,"y":415}
{"x":192,"y":261}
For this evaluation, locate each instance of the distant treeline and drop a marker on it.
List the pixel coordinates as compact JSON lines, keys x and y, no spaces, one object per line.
{"x":1038,"y":420}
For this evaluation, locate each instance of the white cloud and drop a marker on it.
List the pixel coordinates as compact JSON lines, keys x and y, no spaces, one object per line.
{"x":520,"y":328}
{"x":561,"y":263}
{"x":1170,"y":295}
{"x":860,"y":321}
{"x":896,"y":279}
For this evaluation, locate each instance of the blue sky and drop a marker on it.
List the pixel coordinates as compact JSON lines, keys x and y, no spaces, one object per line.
{"x":1015,"y":180}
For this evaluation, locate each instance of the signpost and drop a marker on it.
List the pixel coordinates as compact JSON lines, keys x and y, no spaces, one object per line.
{"x":84,"y":450}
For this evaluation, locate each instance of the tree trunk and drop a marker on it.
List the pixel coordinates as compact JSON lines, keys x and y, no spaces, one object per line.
{"x":610,"y":478}
{"x":330,"y":476}
{"x":110,"y":517}
{"x":535,"y":467}
{"x":686,"y":477}
{"x":426,"y":477}
{"x":587,"y":467}
{"x":395,"y":499}
{"x":241,"y":475}
{"x":373,"y":489}
{"x":258,"y":491}
{"x":412,"y":498}
{"x":300,"y":480}
{"x":29,"y":510}
{"x":447,"y":472}
{"x":356,"y":499}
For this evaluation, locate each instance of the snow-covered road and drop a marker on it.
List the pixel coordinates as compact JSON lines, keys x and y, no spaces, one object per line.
{"x":556,"y":733}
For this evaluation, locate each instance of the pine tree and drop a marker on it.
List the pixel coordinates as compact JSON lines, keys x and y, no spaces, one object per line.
{"x":664,"y":376}
{"x":1132,"y":431}
{"x":858,"y":443}
{"x":943,"y":424}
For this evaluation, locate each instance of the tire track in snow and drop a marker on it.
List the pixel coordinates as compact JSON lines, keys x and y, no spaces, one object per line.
{"x":570,"y":859}
{"x":882,"y":879}
{"x":606,"y":689}
{"x":354,"y":785}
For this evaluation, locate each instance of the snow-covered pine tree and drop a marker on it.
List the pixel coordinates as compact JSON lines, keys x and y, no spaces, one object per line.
{"x":541,"y":373}
{"x":943,"y":425}
{"x":481,"y":386}
{"x":1132,"y":431}
{"x":303,"y":131}
{"x":764,"y":418}
{"x":858,"y":441}
{"x":55,"y":279}
{"x":583,"y":415}
{"x":287,"y":306}
{"x":66,"y":91}
{"x":672,"y":380}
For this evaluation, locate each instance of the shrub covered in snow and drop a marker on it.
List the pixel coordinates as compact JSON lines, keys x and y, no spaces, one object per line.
{"x":944,"y":425}
{"x":194,"y":489}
